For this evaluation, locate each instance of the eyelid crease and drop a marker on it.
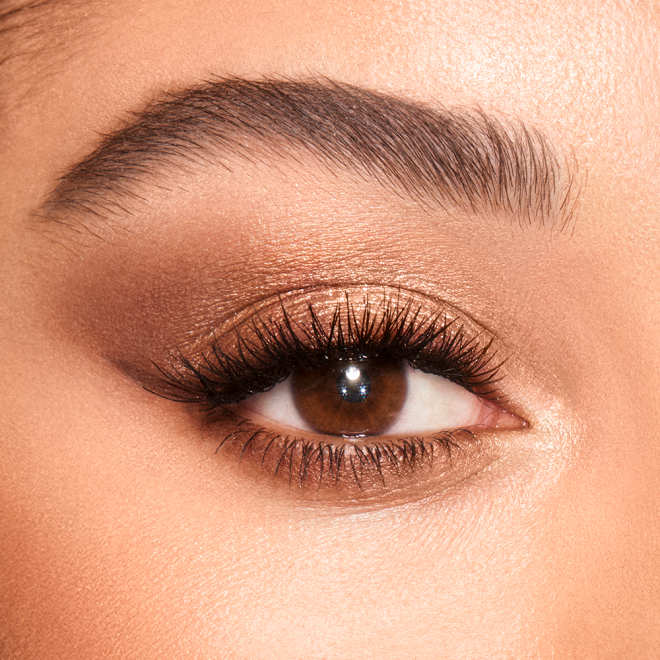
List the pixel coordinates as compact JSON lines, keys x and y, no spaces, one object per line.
{"x":327,"y":295}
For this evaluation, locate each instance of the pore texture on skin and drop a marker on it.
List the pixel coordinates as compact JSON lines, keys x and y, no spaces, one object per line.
{"x":225,"y":226}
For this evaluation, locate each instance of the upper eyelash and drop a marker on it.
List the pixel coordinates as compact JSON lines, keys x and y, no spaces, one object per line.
{"x":267,"y":351}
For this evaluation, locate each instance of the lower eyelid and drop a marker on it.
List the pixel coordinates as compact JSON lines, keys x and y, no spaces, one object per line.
{"x":356,"y":471}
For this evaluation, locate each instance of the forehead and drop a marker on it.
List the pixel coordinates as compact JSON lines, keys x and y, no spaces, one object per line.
{"x":510,"y":53}
{"x":76,"y":69}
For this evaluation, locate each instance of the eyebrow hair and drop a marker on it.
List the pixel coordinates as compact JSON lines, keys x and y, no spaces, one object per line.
{"x":17,"y":14}
{"x":456,"y":159}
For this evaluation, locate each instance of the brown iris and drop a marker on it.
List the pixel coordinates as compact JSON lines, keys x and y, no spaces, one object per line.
{"x":351,"y":397}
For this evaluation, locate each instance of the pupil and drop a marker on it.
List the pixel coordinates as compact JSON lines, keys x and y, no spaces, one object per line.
{"x":353,"y":385}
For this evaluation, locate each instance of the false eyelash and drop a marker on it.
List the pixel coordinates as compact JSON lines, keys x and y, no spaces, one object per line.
{"x":267,"y":351}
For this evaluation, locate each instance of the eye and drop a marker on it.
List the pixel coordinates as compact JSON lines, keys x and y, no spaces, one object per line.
{"x":374,"y":397}
{"x":341,"y":393}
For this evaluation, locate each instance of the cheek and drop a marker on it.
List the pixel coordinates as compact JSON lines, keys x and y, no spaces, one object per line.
{"x":125,"y":533}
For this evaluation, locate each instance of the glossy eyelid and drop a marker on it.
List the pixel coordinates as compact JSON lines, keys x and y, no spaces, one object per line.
{"x":260,"y":351}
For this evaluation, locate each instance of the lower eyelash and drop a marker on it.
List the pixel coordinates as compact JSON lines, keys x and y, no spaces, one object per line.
{"x":309,"y":464}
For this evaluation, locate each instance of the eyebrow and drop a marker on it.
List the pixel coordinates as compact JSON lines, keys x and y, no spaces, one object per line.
{"x":452,"y":158}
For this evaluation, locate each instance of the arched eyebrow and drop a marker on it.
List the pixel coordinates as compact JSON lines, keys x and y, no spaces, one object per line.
{"x":454,"y":159}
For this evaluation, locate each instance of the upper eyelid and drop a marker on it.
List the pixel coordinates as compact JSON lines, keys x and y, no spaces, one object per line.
{"x":208,"y":368}
{"x":228,"y":322}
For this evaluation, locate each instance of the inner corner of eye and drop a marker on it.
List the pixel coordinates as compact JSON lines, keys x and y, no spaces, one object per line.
{"x":374,"y":397}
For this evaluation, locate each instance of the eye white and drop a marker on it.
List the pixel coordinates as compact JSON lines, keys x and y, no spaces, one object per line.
{"x":432,"y":404}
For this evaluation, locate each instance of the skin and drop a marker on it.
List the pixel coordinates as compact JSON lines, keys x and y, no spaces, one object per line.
{"x":125,"y":535}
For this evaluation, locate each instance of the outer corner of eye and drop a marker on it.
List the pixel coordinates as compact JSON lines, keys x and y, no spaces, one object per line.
{"x":492,"y":416}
